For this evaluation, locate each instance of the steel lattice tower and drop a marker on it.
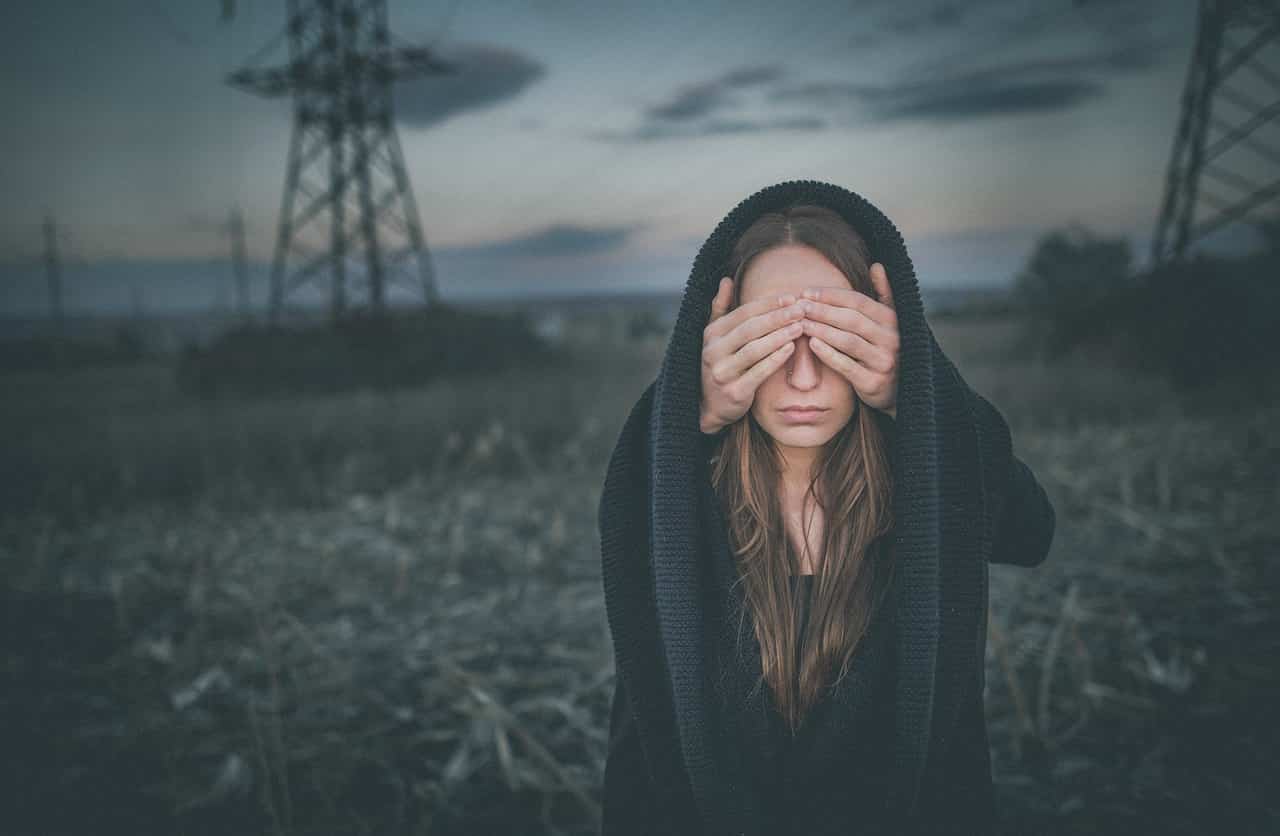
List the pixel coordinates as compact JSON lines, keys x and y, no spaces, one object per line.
{"x":344,"y":147}
{"x":1216,"y":146}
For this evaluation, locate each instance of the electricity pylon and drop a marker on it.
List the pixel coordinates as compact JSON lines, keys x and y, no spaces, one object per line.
{"x":1214,"y":145}
{"x":339,"y":75}
{"x":53,"y":273}
{"x":239,"y":263}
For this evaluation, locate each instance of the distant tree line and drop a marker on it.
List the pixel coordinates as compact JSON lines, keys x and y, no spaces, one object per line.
{"x":1200,"y":321}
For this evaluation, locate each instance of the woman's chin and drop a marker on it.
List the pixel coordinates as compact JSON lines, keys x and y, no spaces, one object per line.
{"x":801,"y":435}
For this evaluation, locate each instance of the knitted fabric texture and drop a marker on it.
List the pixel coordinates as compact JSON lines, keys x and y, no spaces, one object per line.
{"x":961,"y":499}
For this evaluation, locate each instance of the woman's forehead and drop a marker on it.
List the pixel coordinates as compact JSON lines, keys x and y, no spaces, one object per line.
{"x":789,"y":268}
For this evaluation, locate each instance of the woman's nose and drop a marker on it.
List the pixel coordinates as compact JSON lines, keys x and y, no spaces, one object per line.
{"x":804,"y":371}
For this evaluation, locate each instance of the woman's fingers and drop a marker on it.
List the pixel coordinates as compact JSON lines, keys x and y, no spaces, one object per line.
{"x":759,"y":373}
{"x":853,"y":344}
{"x":761,"y":325}
{"x":726,"y":325}
{"x":741,"y":348}
{"x":737,"y":363}
{"x":851,"y":309}
{"x":862,"y":378}
{"x":720,"y":302}
{"x":880,"y":280}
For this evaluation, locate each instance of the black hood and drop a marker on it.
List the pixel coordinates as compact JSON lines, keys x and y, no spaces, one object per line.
{"x":950,"y":455}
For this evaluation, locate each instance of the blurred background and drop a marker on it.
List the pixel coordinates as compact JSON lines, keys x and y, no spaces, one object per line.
{"x":319,"y":319}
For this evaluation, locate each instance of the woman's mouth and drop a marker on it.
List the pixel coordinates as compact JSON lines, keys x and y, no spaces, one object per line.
{"x":802,"y":415}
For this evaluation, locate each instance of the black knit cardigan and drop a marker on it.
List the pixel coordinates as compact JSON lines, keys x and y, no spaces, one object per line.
{"x":961,"y":499}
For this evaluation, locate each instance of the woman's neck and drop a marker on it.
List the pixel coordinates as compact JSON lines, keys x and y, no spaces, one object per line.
{"x":797,"y":470}
{"x":804,"y":523}
{"x":798,"y":464}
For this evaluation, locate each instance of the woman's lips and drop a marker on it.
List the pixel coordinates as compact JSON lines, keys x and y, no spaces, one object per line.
{"x":802,"y":416}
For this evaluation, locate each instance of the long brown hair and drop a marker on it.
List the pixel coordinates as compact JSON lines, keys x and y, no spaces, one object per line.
{"x":851,"y":483}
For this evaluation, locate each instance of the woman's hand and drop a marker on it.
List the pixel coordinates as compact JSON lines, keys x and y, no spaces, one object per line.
{"x":740,"y":349}
{"x":857,"y":336}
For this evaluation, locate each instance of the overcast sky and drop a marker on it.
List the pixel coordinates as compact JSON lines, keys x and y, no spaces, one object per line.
{"x":592,"y":143}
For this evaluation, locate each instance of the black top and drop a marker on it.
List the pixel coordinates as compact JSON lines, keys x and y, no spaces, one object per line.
{"x":865,"y":701}
{"x":784,"y":741}
{"x":805,"y":592}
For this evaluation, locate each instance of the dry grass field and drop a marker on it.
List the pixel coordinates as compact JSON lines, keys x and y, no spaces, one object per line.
{"x":382,"y":613}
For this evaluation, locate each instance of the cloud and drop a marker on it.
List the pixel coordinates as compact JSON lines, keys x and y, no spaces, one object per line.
{"x":904,"y":21}
{"x":655,"y":131}
{"x":957,"y":100}
{"x":702,"y":98}
{"x":486,"y":76}
{"x":946,"y":100}
{"x":1123,"y":32}
{"x":553,"y":256}
{"x":698,"y":110}
{"x":1108,"y":15}
{"x":784,"y":123}
{"x":934,"y":93}
{"x":551,"y":241}
{"x":1009,"y":88}
{"x":941,"y":16}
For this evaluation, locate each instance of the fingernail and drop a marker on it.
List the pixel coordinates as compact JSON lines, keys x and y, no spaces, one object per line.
{"x":811,"y":293}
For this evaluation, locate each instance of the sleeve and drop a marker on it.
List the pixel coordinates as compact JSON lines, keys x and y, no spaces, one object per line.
{"x":629,"y":803}
{"x":1025,"y":529}
{"x":1023,"y":519}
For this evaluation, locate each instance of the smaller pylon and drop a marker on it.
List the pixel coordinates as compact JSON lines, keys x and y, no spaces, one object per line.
{"x":239,"y":263}
{"x":53,"y":273}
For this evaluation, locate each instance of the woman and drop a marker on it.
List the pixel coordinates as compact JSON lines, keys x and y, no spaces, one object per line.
{"x":797,"y":599}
